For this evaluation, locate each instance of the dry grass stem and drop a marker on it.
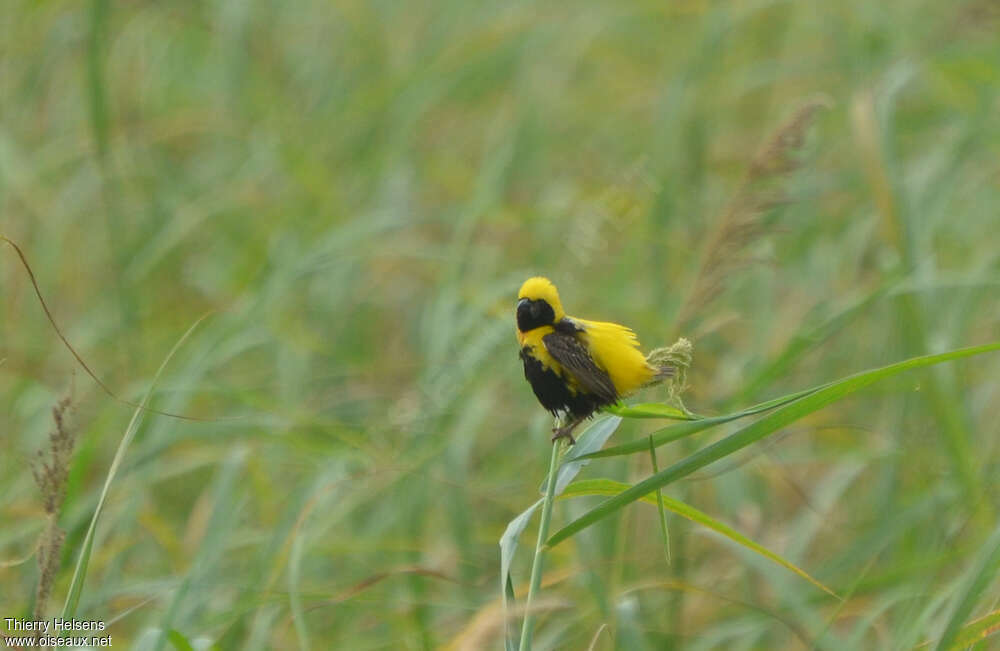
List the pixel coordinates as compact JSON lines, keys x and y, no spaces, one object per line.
{"x":742,"y":221}
{"x":51,"y":470}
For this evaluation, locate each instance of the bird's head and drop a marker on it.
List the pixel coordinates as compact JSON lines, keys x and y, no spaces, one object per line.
{"x":538,"y":304}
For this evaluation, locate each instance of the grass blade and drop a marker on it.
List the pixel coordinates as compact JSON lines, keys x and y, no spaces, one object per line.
{"x":508,"y":545}
{"x":650,"y":410}
{"x":974,"y":631}
{"x":178,"y":640}
{"x":984,"y":569}
{"x":611,"y":487}
{"x":803,"y":342}
{"x":659,"y":503}
{"x":680,"y":430}
{"x":80,"y":573}
{"x":538,"y":563}
{"x":574,"y":459}
{"x":817,"y":399}
{"x":212,"y":548}
{"x":590,"y":440}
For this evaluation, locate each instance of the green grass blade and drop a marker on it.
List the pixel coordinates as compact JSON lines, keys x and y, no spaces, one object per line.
{"x":80,"y":573}
{"x":508,"y":598}
{"x":574,"y":459}
{"x":211,"y":550}
{"x":975,"y":631}
{"x":984,"y":569}
{"x":508,"y":545}
{"x":591,"y":439}
{"x":294,"y":582}
{"x":538,"y":563}
{"x":178,"y":640}
{"x":801,"y":343}
{"x":611,"y":487}
{"x":680,"y":430}
{"x":650,"y":410}
{"x":659,"y":504}
{"x":769,"y":424}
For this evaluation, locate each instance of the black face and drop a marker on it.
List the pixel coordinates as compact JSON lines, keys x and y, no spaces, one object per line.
{"x":534,"y":313}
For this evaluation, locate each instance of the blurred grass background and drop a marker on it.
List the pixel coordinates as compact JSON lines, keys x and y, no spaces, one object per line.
{"x":358,"y":189}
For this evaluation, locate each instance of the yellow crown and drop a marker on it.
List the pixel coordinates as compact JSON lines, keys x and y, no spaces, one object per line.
{"x":542,"y":288}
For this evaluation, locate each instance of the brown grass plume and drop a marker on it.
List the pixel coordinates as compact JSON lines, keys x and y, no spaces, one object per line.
{"x":742,"y":222}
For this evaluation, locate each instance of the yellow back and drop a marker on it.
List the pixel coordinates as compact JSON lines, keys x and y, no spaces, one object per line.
{"x":615,"y":348}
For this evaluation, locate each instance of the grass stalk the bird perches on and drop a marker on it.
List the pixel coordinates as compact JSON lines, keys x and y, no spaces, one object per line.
{"x":536,"y":564}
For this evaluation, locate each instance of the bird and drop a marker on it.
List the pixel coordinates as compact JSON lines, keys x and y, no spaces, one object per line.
{"x":576,"y":367}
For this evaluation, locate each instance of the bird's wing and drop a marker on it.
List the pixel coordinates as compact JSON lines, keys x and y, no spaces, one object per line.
{"x":572,"y":354}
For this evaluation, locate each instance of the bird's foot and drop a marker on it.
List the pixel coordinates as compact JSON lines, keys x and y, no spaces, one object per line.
{"x":565,"y":432}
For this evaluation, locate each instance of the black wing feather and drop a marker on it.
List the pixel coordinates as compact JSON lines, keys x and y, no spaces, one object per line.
{"x":574,"y":357}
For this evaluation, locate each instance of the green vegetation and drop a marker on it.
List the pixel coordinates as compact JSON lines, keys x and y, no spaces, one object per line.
{"x":353,"y":192}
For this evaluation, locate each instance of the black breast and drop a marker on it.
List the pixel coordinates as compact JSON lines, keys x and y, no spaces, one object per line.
{"x":552,"y":391}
